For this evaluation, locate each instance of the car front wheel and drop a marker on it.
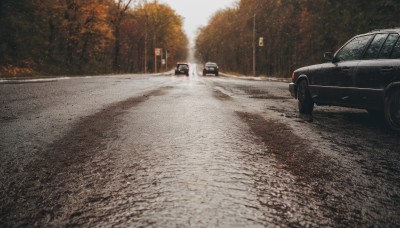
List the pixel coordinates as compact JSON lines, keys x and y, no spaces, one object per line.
{"x":306,"y":104}
{"x":392,"y":109}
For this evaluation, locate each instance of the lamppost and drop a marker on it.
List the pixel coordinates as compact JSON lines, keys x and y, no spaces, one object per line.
{"x":145,"y":47}
{"x":166,"y":59}
{"x":154,"y":29}
{"x":144,"y":3}
{"x":254,"y":45}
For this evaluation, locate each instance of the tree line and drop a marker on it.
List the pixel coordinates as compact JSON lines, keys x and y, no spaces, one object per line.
{"x":87,"y":36}
{"x":295,"y":32}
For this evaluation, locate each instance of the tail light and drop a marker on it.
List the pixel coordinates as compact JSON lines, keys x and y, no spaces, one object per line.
{"x":293,"y":76}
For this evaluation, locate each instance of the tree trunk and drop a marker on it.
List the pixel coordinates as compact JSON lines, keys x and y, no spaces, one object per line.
{"x":83,"y":60}
{"x":117,"y":48}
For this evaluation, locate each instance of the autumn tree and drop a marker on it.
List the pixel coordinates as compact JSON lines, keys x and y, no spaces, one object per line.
{"x":161,"y":28}
{"x":296,"y":32}
{"x":19,"y":20}
{"x":118,"y":15}
{"x":84,"y":36}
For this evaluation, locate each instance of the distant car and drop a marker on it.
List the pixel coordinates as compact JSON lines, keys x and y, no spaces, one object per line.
{"x":364,"y":73}
{"x":182,"y":68}
{"x":210,"y":68}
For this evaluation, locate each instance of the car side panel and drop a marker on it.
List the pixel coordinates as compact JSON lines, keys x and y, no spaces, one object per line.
{"x":333,"y":82}
{"x":372,"y":77}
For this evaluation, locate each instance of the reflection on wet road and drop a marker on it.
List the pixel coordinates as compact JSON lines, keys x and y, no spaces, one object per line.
{"x":186,"y":159}
{"x":185,"y":162}
{"x":164,"y":152}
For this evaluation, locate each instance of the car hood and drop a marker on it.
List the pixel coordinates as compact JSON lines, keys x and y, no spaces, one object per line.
{"x":311,"y":67}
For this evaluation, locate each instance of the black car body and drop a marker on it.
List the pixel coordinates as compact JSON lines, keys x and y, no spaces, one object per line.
{"x":364,"y":73}
{"x":182,"y":68}
{"x":210,"y":68}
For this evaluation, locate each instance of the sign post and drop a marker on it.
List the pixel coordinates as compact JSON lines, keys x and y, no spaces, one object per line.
{"x":157,"y":52}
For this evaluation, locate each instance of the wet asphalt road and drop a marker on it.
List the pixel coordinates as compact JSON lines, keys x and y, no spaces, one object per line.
{"x":176,"y":151}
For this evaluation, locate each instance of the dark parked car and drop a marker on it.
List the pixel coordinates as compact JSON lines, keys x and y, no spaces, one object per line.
{"x":210,"y":68}
{"x":364,"y":73}
{"x":182,"y":68}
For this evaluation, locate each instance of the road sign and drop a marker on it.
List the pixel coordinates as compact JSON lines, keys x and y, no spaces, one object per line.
{"x":163,"y":61}
{"x":261,"y":42}
{"x":157,"y":51}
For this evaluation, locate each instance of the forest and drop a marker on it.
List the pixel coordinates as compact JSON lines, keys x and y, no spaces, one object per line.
{"x":79,"y":37}
{"x":295,"y":32}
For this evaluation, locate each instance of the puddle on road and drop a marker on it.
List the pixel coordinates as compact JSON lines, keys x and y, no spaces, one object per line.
{"x":288,"y":148}
{"x":220,"y":95}
{"x":196,"y":164}
{"x":51,"y":180}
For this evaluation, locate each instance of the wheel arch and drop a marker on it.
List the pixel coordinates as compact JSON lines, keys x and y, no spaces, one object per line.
{"x":302,"y":77}
{"x":298,"y":80}
{"x":391,"y":121}
{"x":390,"y":87}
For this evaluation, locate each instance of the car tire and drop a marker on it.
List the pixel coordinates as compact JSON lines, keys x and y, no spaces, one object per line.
{"x":204,"y":74}
{"x":216,"y":74}
{"x":392,"y":109}
{"x":306,"y":104}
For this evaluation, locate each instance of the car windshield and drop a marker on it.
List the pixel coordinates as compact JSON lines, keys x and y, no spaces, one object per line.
{"x":354,"y":49}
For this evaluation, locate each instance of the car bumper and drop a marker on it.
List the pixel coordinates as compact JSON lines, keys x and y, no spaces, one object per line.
{"x":292,"y":89}
{"x":210,"y":71}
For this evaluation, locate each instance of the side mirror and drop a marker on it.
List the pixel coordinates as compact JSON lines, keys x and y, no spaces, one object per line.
{"x":328,"y":56}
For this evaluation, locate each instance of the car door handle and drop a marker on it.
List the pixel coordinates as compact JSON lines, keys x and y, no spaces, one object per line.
{"x":346,"y":68}
{"x":386,"y":68}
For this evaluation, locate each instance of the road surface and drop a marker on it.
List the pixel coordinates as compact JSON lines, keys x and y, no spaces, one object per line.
{"x":177,"y":151}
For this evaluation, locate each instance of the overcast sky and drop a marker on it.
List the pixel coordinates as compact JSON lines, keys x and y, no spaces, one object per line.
{"x":197,"y":12}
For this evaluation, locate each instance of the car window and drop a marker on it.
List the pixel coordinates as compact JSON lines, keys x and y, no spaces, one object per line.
{"x":354,"y":49}
{"x":375,"y":46}
{"x":388,"y":46}
{"x":396,"y":50}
